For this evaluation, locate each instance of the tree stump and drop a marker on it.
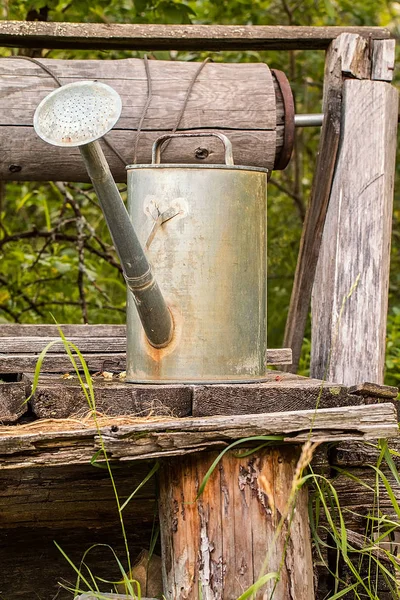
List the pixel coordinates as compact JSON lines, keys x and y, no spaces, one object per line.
{"x":239,"y":529}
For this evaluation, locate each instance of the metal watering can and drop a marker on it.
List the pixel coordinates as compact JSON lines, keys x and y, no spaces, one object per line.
{"x":195,"y":260}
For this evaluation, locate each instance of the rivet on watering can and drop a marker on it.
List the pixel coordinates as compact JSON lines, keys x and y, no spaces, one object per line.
{"x":201,"y":153}
{"x":15,"y":168}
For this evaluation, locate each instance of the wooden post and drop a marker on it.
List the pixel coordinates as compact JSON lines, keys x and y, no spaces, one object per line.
{"x":350,"y":294}
{"x":215,"y":547}
{"x":347,"y":56}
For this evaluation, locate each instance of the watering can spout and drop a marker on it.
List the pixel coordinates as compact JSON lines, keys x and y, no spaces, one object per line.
{"x":62,"y":119}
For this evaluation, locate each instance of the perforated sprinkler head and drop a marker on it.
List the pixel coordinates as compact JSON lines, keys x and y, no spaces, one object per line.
{"x":77,"y":113}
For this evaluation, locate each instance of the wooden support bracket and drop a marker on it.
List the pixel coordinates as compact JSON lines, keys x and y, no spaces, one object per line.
{"x":347,"y":56}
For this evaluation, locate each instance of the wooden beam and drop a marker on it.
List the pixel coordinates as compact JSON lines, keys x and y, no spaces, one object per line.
{"x":174,"y":437}
{"x":383,"y":60}
{"x":350,"y":295}
{"x":88,"y":36}
{"x":348,"y":56}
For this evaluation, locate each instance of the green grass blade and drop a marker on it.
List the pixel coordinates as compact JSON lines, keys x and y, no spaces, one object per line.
{"x":256,"y":438}
{"x":38,"y":368}
{"x":258,"y":584}
{"x":141,"y":484}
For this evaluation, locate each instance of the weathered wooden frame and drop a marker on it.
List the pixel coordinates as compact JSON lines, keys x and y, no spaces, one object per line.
{"x":356,"y":53}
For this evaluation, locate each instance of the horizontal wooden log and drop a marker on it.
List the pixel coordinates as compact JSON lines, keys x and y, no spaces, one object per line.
{"x":237,"y":96}
{"x":174,"y":37}
{"x":74,"y":496}
{"x":30,"y":162}
{"x":175,"y":437}
{"x":242,"y":100}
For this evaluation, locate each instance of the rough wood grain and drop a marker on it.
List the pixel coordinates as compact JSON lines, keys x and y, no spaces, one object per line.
{"x":358,"y":454}
{"x":280,"y":392}
{"x":12,"y":398}
{"x":108,"y":355}
{"x":351,"y":286}
{"x":357,"y":489}
{"x":34,"y":345}
{"x":374,"y":390}
{"x":173,"y":437}
{"x":383,"y":60}
{"x":209,"y":552}
{"x":8,"y":330}
{"x":347,"y":55}
{"x":19,"y":163}
{"x":73,"y":496}
{"x":237,"y":96}
{"x":37,"y":566}
{"x":60,"y":363}
{"x":174,"y":37}
{"x":240,"y":99}
{"x":57,"y":398}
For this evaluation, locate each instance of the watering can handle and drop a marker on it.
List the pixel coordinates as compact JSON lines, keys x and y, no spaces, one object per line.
{"x":157,"y":146}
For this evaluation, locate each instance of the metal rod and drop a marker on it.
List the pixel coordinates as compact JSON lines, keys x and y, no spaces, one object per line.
{"x":153,"y":311}
{"x":308,"y":120}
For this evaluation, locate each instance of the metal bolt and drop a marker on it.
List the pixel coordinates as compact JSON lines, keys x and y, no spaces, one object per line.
{"x":201,"y":153}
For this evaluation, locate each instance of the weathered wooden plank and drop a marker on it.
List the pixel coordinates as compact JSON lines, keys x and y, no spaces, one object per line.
{"x":174,"y":37}
{"x":100,"y":358}
{"x":374,"y":390}
{"x":56,"y":398}
{"x":73,"y":496}
{"x":277,"y":394}
{"x":209,"y":555}
{"x":12,"y":398}
{"x":383,"y":60}
{"x":60,"y":363}
{"x":43,"y":331}
{"x":347,"y":55}
{"x":357,"y":490}
{"x":155,"y":438}
{"x":23,"y":345}
{"x":358,"y":454}
{"x":351,"y":285}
